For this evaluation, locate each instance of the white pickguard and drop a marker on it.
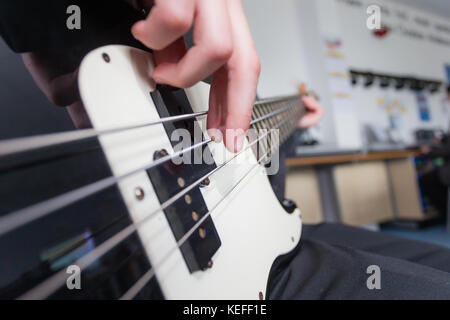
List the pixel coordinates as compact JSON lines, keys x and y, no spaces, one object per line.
{"x":252,"y":225}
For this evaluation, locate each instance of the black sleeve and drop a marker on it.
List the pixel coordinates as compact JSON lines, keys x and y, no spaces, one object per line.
{"x":31,"y":25}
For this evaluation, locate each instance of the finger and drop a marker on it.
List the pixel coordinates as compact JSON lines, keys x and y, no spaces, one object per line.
{"x":243,"y":71}
{"x":217,"y":102}
{"x":79,"y":116}
{"x":168,"y":20}
{"x":61,"y":90}
{"x":172,"y":53}
{"x":239,"y":105}
{"x":310,"y":103}
{"x":212,"y":48}
{"x":309,"y":120}
{"x":314,"y":115}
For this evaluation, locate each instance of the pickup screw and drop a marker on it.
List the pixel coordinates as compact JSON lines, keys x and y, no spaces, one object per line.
{"x":202,"y":233}
{"x":106,"y":57}
{"x":261,"y":296}
{"x":210,"y":264}
{"x":181,"y":182}
{"x":205,"y":183}
{"x":139,"y":193}
{"x":194,"y":216}
{"x":159,"y":154}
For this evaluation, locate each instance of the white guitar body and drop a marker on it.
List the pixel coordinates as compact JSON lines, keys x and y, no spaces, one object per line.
{"x":253,"y":227}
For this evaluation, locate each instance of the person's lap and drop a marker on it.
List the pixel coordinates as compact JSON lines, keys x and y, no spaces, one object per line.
{"x":331,"y":262}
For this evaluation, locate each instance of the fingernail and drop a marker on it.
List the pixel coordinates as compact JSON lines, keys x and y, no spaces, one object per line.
{"x":215,"y":135}
{"x":239,"y":143}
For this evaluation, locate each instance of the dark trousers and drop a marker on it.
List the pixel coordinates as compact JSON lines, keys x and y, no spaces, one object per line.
{"x":435,"y":191}
{"x":332,"y":261}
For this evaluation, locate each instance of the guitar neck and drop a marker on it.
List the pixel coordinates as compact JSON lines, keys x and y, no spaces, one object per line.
{"x":281,"y":114}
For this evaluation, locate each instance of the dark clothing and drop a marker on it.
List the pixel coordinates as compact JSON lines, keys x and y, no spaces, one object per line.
{"x":435,"y":184}
{"x":331,"y":262}
{"x":436,"y":191}
{"x":30,"y":26}
{"x":443,"y":151}
{"x":278,"y":181}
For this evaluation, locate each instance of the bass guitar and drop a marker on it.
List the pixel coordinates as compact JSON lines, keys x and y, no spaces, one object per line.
{"x":145,"y":205}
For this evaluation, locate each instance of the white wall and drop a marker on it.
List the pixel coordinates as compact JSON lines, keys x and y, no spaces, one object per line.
{"x":439,"y":7}
{"x":276,"y":32}
{"x":287,"y":46}
{"x":397,"y":54}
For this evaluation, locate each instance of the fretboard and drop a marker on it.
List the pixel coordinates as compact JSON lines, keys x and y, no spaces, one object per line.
{"x":282,"y":114}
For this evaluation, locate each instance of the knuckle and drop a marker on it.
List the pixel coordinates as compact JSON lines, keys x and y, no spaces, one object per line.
{"x":176,"y":20}
{"x":243,"y":114}
{"x":255,"y":64}
{"x":252,"y":64}
{"x":56,"y":98}
{"x":183,"y":83}
{"x":220,"y":51}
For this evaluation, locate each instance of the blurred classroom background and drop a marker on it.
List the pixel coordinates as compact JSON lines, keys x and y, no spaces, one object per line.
{"x":383,"y":88}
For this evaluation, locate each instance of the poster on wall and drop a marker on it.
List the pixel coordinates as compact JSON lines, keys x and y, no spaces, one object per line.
{"x":338,"y":76}
{"x":345,"y":116}
{"x":422,"y":104}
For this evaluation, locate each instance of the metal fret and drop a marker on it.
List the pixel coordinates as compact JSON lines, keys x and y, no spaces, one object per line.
{"x":280,"y":113}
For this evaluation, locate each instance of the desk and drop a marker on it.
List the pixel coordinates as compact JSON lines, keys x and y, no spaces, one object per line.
{"x":354,"y":187}
{"x":350,"y":157}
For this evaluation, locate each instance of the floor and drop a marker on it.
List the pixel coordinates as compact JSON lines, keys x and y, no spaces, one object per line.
{"x":437,"y":234}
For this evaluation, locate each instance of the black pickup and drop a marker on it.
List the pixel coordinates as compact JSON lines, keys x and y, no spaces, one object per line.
{"x":170,"y":179}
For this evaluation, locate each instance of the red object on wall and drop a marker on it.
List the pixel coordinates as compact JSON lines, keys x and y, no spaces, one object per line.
{"x":381,"y":33}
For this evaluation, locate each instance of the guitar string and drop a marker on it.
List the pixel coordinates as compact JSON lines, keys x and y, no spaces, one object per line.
{"x":142,"y":282}
{"x":36,"y":211}
{"x":28,"y":214}
{"x":50,"y":285}
{"x":20,"y":145}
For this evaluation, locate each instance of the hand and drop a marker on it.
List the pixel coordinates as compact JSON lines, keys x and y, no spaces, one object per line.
{"x":314,"y":113}
{"x":223,"y":47}
{"x":60,"y":89}
{"x":425,"y":150}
